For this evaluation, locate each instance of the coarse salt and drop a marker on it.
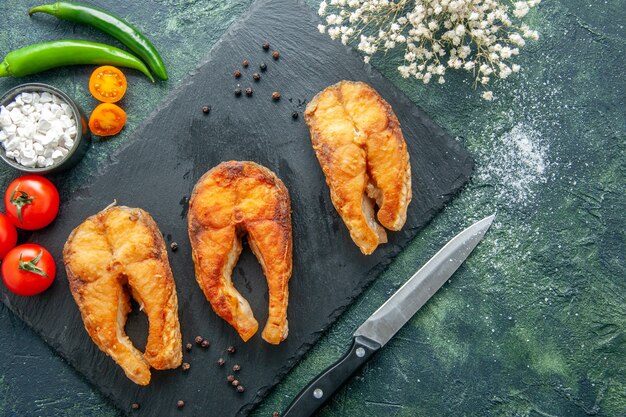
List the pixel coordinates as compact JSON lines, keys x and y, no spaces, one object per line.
{"x":37,"y":129}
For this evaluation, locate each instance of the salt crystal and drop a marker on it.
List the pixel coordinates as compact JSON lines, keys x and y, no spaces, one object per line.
{"x":27,"y":97}
{"x":45,"y":97}
{"x":43,"y":126}
{"x":10,"y":129}
{"x":38,"y":147}
{"x":57,"y":154}
{"x":16,"y":115}
{"x":41,"y":161}
{"x":5,"y":117}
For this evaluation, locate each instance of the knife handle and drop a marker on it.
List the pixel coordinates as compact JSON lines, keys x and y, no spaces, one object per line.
{"x":325,"y":384}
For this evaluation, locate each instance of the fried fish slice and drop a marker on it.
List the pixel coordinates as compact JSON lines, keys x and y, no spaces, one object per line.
{"x":358,"y":142}
{"x":230,"y":200}
{"x":117,"y":249}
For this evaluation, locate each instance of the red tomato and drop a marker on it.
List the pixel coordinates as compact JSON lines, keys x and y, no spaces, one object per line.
{"x":31,"y":202}
{"x":28,"y":269}
{"x":8,"y":235}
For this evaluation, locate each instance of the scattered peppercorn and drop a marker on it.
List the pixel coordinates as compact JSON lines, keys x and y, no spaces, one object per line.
{"x":205,"y":344}
{"x":266,"y":45}
{"x":275,"y":54}
{"x":256,"y":76}
{"x":240,"y":389}
{"x":206,"y":109}
{"x":276,"y":95}
{"x":230,"y":378}
{"x":237,"y":73}
{"x":275,"y":414}
{"x":235,"y":383}
{"x":294,"y":115}
{"x":249,"y":91}
{"x":236,"y":368}
{"x":245,"y":63}
{"x":188,"y":346}
{"x":180,"y":403}
{"x":174,"y":246}
{"x":186,"y":366}
{"x":263,"y":66}
{"x":221,"y":362}
{"x":135,"y":406}
{"x":198,"y":340}
{"x":231,"y":349}
{"x":237,"y":91}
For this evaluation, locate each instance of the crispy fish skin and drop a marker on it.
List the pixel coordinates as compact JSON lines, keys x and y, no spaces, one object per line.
{"x":358,"y":142}
{"x":113,"y":249}
{"x":230,"y":200}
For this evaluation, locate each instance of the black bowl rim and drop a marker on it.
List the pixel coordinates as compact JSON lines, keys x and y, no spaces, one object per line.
{"x":10,"y":95}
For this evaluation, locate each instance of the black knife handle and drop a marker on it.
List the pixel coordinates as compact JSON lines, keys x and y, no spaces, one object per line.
{"x":325,"y":384}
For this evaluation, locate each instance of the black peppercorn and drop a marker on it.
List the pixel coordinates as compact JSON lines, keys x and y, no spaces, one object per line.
{"x":206,"y":109}
{"x":180,"y":403}
{"x":231,"y":349}
{"x":135,"y":406}
{"x":245,"y":63}
{"x":249,"y":91}
{"x":205,"y":344}
{"x":256,"y":76}
{"x":263,"y":66}
{"x":275,"y":54}
{"x":237,"y":73}
{"x":294,"y":115}
{"x":198,"y":340}
{"x":230,"y":378}
{"x":276,"y":95}
{"x":221,"y":362}
{"x":236,"y":368}
{"x":237,"y":91}
{"x":240,"y":388}
{"x":266,"y":45}
{"x":188,"y":346}
{"x":174,"y":246}
{"x":186,"y":366}
{"x":235,"y":383}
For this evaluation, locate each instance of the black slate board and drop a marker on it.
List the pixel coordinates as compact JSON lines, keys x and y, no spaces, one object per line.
{"x":158,"y":168}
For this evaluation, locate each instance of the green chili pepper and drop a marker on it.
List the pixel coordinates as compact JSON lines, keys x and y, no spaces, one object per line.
{"x":112,"y":25}
{"x":44,"y":56}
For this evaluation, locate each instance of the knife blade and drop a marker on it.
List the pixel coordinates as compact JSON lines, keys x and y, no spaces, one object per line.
{"x":385,"y":322}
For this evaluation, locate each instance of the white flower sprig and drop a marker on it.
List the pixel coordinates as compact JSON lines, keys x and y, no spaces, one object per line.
{"x":477,"y":36}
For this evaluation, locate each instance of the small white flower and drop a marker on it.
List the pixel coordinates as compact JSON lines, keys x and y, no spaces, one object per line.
{"x":321,"y":28}
{"x":404,"y":71}
{"x":488,"y":95}
{"x":322,"y":10}
{"x":515,"y":68}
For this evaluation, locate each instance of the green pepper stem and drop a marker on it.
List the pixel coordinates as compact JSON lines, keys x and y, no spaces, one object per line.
{"x":4,"y":69}
{"x":44,"y":8}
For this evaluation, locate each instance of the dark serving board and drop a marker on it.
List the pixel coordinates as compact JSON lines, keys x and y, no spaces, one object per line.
{"x":158,"y":168}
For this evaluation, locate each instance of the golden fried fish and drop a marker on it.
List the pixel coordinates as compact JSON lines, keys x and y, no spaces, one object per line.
{"x":110,"y":253}
{"x":230,"y":200}
{"x":358,"y":142}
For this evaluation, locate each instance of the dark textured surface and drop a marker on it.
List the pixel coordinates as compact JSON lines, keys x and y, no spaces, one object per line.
{"x":158,"y":168}
{"x":533,"y":322}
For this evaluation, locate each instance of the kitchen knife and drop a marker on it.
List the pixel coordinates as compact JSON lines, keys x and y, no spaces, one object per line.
{"x":381,"y":326}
